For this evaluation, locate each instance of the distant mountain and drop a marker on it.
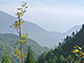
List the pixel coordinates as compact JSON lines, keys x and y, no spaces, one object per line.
{"x":73,"y":29}
{"x":41,"y":36}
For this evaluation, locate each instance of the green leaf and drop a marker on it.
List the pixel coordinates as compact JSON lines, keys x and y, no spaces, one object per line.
{"x":26,"y":7}
{"x":15,"y":56}
{"x":21,"y":13}
{"x":19,"y":8}
{"x":16,"y":22}
{"x":17,"y":13}
{"x":19,"y":23}
{"x":23,"y":5}
{"x":22,"y":22}
{"x":25,"y":11}
{"x":11,"y":26}
{"x":16,"y":43}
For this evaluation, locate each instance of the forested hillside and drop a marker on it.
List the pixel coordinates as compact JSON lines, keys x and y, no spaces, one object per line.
{"x":9,"y":51}
{"x":7,"y":44}
{"x":62,"y":53}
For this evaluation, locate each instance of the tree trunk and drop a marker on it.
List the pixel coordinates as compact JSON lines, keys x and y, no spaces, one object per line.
{"x":21,"y":44}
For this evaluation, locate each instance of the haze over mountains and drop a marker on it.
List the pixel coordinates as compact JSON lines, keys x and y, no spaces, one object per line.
{"x":40,"y":35}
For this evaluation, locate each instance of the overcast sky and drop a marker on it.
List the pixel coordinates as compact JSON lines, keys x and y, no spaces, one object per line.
{"x":52,"y":15}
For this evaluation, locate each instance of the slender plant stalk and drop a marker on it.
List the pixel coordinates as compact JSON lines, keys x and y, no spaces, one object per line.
{"x":17,"y":26}
{"x":21,"y":44}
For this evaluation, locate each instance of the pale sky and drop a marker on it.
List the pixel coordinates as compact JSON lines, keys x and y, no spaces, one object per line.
{"x":52,"y":15}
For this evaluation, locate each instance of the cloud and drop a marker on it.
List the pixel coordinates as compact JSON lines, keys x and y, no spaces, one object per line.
{"x":2,"y":1}
{"x":56,"y":16}
{"x":53,"y":12}
{"x":49,"y":14}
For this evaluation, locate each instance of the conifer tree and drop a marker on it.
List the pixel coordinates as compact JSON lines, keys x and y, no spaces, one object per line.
{"x":5,"y":58}
{"x":30,"y":57}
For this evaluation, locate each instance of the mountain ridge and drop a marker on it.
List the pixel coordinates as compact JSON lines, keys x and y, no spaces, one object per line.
{"x":66,"y":52}
{"x":40,"y":35}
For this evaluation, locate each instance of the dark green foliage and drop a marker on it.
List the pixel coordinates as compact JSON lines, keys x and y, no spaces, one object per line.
{"x":42,"y":58}
{"x":70,"y":59}
{"x":61,"y":58}
{"x":63,"y":51}
{"x":83,"y":48}
{"x":64,"y":61}
{"x":78,"y":39}
{"x":49,"y":57}
{"x":5,"y":58}
{"x":30,"y":57}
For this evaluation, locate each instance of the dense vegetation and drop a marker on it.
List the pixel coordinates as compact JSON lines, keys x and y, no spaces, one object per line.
{"x":5,"y":58}
{"x":9,"y":51}
{"x":7,"y":44}
{"x":62,"y":53}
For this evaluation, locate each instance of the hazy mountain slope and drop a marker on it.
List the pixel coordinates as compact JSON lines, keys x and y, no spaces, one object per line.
{"x":5,"y":22}
{"x":43,"y":37}
{"x":73,"y":29}
{"x":10,"y":40}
